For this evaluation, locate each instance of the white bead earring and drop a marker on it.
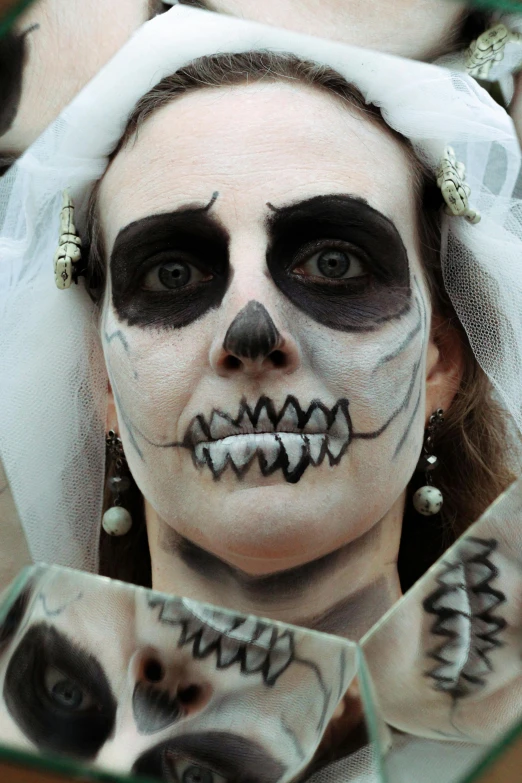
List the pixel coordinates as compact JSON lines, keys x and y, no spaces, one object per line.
{"x":428,"y":499}
{"x":117,"y":521}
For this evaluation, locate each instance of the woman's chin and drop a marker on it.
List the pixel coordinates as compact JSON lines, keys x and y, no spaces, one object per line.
{"x":264,"y":525}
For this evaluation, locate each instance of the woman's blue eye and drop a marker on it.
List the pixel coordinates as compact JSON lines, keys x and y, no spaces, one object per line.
{"x":65,"y":692}
{"x":195,"y":774}
{"x":333,"y":264}
{"x":172,"y":275}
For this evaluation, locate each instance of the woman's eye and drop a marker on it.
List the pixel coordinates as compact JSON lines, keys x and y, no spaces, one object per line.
{"x":333,"y":264}
{"x":65,"y":692}
{"x":173,"y":275}
{"x":186,"y":771}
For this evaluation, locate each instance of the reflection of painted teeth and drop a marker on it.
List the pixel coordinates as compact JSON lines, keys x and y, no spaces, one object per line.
{"x":257,"y":646}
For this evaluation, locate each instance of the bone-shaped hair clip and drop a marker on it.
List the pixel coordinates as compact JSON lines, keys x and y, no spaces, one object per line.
{"x":68,"y":253}
{"x":488,"y":49}
{"x":455,"y":192}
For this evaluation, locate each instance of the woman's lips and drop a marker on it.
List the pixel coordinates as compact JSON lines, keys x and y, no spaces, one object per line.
{"x":290,"y":439}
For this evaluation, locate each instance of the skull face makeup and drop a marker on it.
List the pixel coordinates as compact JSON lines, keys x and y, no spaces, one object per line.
{"x":181,"y":686}
{"x":273,"y":335}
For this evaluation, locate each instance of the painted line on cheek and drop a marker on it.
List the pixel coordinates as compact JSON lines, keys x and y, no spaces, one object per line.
{"x":404,"y":404}
{"x":288,"y":730}
{"x":419,"y":395}
{"x":408,"y":339}
{"x":324,"y":690}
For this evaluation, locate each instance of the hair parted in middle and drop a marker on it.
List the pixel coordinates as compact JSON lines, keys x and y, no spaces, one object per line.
{"x":471,"y":444}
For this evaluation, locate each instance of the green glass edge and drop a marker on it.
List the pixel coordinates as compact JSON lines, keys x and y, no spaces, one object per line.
{"x":496,"y":5}
{"x":494,"y":754}
{"x":9,"y":18}
{"x":369,"y":713}
{"x":54,"y":764}
{"x":65,"y":768}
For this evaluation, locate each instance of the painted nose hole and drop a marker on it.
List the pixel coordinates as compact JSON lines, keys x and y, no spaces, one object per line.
{"x":277,"y":358}
{"x":153,"y":670}
{"x":232,"y":363}
{"x":189,"y":695}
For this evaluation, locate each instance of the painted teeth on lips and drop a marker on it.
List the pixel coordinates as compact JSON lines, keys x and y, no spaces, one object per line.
{"x":291,"y":439}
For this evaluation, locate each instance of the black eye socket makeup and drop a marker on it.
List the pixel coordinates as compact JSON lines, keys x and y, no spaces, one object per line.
{"x":58,"y":694}
{"x":211,"y":757}
{"x":339,"y":231}
{"x":168,"y":270}
{"x":13,"y":55}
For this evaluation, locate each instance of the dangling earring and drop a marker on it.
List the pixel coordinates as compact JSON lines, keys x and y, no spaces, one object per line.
{"x":117,"y":521}
{"x":428,"y":499}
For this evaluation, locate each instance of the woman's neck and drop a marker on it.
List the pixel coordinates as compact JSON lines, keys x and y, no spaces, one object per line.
{"x":344,"y":592}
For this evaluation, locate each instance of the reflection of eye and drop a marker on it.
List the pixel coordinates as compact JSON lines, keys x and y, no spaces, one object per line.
{"x":65,"y":692}
{"x":332,"y":263}
{"x":186,"y":771}
{"x":173,"y":275}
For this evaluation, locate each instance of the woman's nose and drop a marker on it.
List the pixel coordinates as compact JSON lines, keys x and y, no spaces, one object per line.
{"x":165,"y":693}
{"x":253,"y":344}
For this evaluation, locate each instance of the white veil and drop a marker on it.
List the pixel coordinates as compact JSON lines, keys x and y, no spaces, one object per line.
{"x":52,"y":377}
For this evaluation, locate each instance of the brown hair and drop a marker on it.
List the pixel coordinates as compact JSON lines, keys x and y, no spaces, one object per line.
{"x":471,"y":445}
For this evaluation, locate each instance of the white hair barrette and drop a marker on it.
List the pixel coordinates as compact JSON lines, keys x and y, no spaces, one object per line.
{"x":68,"y":253}
{"x":455,"y":192}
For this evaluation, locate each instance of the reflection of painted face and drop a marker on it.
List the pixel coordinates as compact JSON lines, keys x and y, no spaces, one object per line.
{"x":50,"y":82}
{"x":189,"y":688}
{"x":266,"y":321}
{"x":432,"y":24}
{"x":446,"y":661}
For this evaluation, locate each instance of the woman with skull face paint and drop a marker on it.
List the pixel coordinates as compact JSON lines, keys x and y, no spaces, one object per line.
{"x":275,"y":350}
{"x":275,"y":345}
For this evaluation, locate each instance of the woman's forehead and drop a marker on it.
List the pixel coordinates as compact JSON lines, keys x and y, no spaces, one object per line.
{"x":255,"y":144}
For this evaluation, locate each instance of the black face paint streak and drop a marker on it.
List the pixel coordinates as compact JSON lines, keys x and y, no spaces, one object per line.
{"x":117,"y":335}
{"x":347,"y":224}
{"x":406,"y":432}
{"x":14,"y":617}
{"x":354,"y":615}
{"x":13,"y":55}
{"x":281,"y":586}
{"x":289,"y":440}
{"x":257,"y":647}
{"x":404,"y":404}
{"x":288,"y":730}
{"x":405,"y":343}
{"x":189,"y":237}
{"x":154,"y":708}
{"x":55,"y":612}
{"x":464,"y":606}
{"x":235,"y":758}
{"x":252,"y":334}
{"x":424,"y":325}
{"x":74,"y":716}
{"x":325,"y":692}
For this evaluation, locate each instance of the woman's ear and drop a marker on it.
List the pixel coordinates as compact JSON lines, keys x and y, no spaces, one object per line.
{"x":111,"y":419}
{"x":444,"y":365}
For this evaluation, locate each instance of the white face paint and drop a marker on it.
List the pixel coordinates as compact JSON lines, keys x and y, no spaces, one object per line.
{"x":431,"y":25}
{"x":181,"y":686}
{"x":267,"y":145}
